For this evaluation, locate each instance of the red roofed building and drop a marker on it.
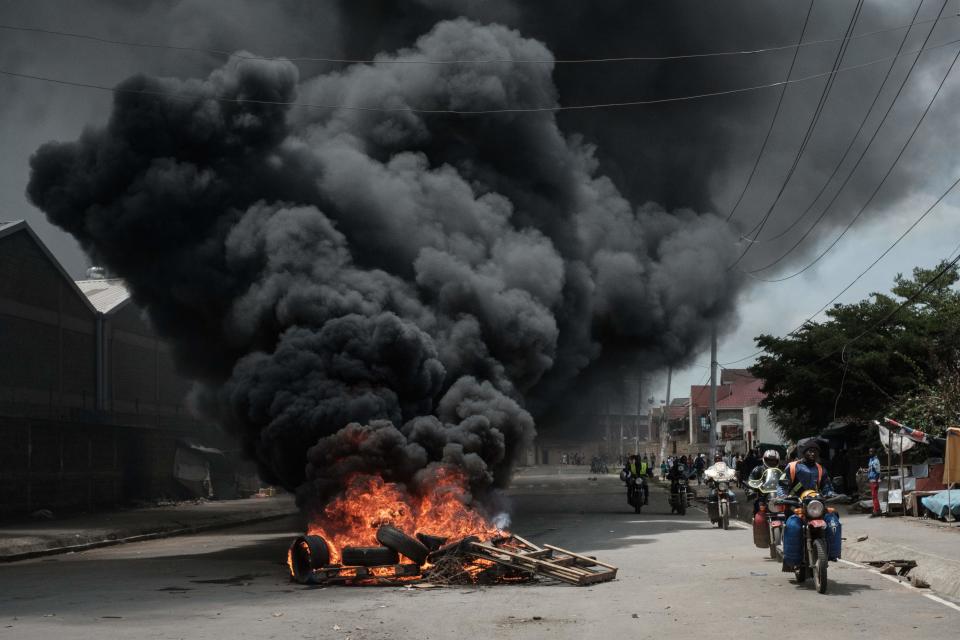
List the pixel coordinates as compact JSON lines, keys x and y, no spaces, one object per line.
{"x":741,"y":422}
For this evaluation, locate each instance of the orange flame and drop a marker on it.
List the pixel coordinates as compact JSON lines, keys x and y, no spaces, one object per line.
{"x":440,"y":508}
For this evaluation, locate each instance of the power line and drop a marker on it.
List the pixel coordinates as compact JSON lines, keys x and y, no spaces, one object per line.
{"x":856,"y":165}
{"x":776,"y":113}
{"x":906,"y":232}
{"x":334,"y":60}
{"x":814,"y":121}
{"x":853,"y":140}
{"x":551,"y":109}
{"x":872,"y":195}
{"x":899,"y":308}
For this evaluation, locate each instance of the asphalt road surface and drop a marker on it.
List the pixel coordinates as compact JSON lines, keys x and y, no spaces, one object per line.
{"x":678,"y":575}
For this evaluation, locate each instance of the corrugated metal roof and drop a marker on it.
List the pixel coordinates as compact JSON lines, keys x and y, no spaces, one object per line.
{"x":8,"y":225}
{"x":106,"y":294}
{"x":746,"y":393}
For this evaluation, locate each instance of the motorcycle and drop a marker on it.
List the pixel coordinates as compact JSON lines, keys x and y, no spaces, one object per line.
{"x":821,"y":536}
{"x":680,"y":495}
{"x":636,"y":492}
{"x":721,"y":501}
{"x":770,"y":517}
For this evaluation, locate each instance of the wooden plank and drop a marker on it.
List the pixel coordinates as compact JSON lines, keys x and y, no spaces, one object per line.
{"x":500,"y":556}
{"x":527,"y":543}
{"x":562,"y":576}
{"x":577,"y":555}
{"x":535,"y":565}
{"x":526,"y":558}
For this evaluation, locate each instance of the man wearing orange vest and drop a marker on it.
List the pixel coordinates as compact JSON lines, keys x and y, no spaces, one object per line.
{"x":806,"y":473}
{"x":803,"y":475}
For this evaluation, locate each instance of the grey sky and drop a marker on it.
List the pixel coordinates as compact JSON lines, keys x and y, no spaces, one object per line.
{"x":32,"y":113}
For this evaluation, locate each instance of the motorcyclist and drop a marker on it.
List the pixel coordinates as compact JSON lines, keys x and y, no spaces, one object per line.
{"x":770,"y":460}
{"x":677,"y":473}
{"x":804,"y":474}
{"x":636,"y":469}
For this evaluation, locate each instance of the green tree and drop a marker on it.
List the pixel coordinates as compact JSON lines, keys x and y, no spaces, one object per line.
{"x":861,"y":362}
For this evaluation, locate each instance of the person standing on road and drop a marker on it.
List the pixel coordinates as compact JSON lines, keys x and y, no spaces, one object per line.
{"x":873,"y":475}
{"x":698,"y":465}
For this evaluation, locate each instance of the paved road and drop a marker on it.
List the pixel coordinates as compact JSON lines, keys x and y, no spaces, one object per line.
{"x":677,"y":575}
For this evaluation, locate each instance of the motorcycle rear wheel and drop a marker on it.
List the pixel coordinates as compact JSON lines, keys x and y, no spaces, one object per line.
{"x":773,"y":550}
{"x":682,"y":508}
{"x":819,"y":568}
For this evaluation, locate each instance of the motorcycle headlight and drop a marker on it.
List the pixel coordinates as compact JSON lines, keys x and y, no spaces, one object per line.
{"x":815,"y":509}
{"x":723,"y":486}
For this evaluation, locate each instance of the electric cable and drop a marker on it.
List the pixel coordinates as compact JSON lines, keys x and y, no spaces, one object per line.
{"x":551,"y":109}
{"x":846,"y":152}
{"x":334,"y":60}
{"x":950,"y":256}
{"x":776,"y":112}
{"x":811,"y":126}
{"x":869,"y":200}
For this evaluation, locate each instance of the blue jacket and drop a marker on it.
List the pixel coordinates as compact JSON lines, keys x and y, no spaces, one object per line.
{"x":801,"y":476}
{"x":873,"y":469}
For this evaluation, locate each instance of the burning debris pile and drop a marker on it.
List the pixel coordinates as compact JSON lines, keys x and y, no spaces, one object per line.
{"x":503,"y":559}
{"x":361,"y":537}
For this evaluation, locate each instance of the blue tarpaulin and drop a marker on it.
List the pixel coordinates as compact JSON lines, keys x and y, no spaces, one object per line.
{"x":937,"y":503}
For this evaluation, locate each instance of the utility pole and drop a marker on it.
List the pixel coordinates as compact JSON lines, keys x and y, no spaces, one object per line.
{"x":713,"y":390}
{"x":639,"y":412}
{"x":665,"y":418}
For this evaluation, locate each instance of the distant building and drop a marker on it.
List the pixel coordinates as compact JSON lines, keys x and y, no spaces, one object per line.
{"x":741,"y":422}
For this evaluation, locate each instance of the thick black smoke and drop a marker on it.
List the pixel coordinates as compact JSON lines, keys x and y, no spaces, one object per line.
{"x":369,"y":291}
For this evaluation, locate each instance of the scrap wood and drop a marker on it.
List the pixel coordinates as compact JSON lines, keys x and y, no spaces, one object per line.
{"x":549,"y":561}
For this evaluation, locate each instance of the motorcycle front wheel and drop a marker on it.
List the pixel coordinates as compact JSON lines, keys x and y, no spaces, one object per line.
{"x":682,"y":508}
{"x":800,"y":573}
{"x":820,"y":566}
{"x":724,"y":522}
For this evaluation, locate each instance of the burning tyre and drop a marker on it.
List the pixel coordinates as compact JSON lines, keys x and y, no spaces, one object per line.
{"x":411,"y":548}
{"x":306,"y":554}
{"x":369,"y":556}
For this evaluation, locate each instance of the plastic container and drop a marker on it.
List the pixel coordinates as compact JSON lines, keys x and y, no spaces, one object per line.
{"x":834,"y":535}
{"x":761,"y":532}
{"x":793,"y":541}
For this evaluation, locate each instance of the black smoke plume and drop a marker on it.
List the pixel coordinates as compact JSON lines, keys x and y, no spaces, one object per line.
{"x":383,"y":291}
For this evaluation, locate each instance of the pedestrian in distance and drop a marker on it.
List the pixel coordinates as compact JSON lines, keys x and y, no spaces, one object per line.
{"x":873,"y":475}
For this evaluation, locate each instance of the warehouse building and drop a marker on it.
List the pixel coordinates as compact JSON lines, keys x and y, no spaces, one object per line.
{"x":92,"y":411}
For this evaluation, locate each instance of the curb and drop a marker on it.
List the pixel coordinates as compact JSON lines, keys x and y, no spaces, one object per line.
{"x":942,"y":574}
{"x":141,"y":537}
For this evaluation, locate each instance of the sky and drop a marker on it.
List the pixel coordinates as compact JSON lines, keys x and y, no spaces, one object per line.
{"x":718,"y":143}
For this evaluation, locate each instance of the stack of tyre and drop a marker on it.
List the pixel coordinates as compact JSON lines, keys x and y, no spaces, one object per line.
{"x":311,"y":552}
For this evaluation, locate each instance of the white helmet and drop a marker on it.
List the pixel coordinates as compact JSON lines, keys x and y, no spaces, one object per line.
{"x":771,"y":458}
